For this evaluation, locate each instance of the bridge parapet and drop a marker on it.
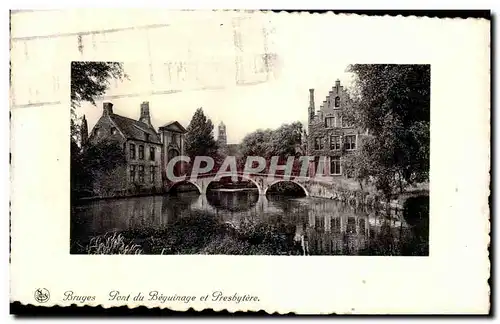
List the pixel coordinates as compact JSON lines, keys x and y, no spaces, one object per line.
{"x":261,"y":181}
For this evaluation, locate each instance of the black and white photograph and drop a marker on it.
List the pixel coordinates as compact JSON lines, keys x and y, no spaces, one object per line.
{"x":169,"y":157}
{"x":192,"y":160}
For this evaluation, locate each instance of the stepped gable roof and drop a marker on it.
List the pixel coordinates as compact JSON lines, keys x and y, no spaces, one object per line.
{"x":135,"y":129}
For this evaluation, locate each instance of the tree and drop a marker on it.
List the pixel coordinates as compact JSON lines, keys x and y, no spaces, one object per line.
{"x":103,"y":156}
{"x":257,"y":143}
{"x":80,"y":180}
{"x":286,"y":139}
{"x":200,"y":136}
{"x":282,"y":142}
{"x":357,"y":165}
{"x":392,"y":102}
{"x":90,"y":80}
{"x":94,"y":163}
{"x":105,"y":165}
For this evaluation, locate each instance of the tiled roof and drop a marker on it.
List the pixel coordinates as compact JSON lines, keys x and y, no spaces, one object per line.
{"x":135,"y":129}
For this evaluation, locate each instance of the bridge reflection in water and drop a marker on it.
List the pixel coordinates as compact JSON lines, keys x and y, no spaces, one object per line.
{"x":322,"y":227}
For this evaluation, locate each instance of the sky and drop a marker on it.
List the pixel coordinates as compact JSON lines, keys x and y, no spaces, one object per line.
{"x":243,"y":95}
{"x":310,"y":51}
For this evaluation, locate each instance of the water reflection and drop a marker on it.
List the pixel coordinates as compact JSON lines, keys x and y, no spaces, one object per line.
{"x":232,"y":201}
{"x":322,"y":227}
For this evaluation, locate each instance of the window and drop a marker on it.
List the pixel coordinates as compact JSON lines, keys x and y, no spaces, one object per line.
{"x":320,"y":223}
{"x":334,"y":142}
{"x":152,"y":172}
{"x":141,"y":173}
{"x":113,"y":130}
{"x":174,"y":139}
{"x":132,"y":151}
{"x":330,"y":122}
{"x":335,"y":166}
{"x":141,"y":152}
{"x":152,"y":153}
{"x":146,"y":136}
{"x":337,"y":101}
{"x":318,"y":143}
{"x":350,"y":142}
{"x":132,"y":173}
{"x":335,"y":223}
{"x":351,"y":225}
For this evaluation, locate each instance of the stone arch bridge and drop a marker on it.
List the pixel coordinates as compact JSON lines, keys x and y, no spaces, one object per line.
{"x":312,"y":186}
{"x":263,"y":182}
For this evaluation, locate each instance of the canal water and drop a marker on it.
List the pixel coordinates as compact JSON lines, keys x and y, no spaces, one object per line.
{"x":245,"y":222}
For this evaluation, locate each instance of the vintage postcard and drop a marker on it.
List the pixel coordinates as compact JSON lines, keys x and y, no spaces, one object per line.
{"x":250,"y":160}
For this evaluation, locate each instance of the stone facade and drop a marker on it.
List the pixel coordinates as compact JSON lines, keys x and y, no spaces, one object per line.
{"x":146,"y":151}
{"x":329,"y":135}
{"x":172,"y":135}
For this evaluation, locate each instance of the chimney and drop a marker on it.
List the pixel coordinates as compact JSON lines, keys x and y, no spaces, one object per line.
{"x":107,"y":108}
{"x":337,"y":86}
{"x":145,"y":117}
{"x":311,"y":104}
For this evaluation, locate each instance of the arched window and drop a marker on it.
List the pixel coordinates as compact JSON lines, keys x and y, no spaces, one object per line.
{"x":337,"y":101}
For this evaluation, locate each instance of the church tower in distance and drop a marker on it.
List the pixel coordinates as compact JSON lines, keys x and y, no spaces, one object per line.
{"x":222,"y":137}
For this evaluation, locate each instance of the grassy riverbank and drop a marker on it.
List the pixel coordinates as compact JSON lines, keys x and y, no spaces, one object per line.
{"x":350,"y":191}
{"x":198,"y":234}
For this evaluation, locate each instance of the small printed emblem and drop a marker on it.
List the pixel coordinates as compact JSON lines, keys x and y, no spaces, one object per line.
{"x":42,"y":295}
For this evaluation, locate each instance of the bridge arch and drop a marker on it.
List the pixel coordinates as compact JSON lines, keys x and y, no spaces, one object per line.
{"x":240,"y":175}
{"x":284,"y":180}
{"x":175,"y":184}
